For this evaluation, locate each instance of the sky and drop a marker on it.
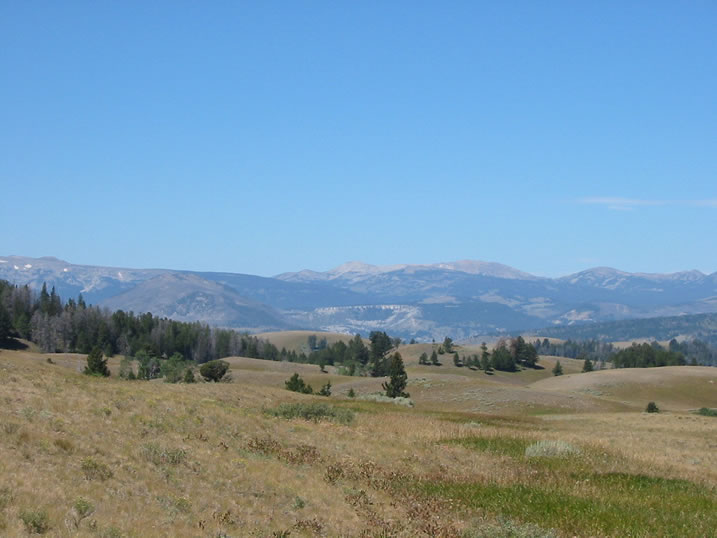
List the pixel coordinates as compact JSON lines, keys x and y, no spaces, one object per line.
{"x":271,"y":136}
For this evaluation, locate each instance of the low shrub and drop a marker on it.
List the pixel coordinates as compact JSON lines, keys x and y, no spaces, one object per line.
{"x":707,"y":412}
{"x":36,"y":521}
{"x":652,"y":408}
{"x":83,"y":507}
{"x":550,"y":449}
{"x":312,"y":411}
{"x":64,"y":444}
{"x":95,"y":470}
{"x":381,"y":397}
{"x":214,"y":370}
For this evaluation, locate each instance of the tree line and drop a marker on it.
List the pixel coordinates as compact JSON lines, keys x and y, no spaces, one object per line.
{"x":507,"y":355}
{"x":647,"y":356}
{"x":73,"y":326}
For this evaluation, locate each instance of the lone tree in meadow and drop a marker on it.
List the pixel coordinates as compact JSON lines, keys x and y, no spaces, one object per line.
{"x":96,"y":363}
{"x":398,"y":378}
{"x":214,"y":370}
{"x":296,"y":384}
{"x":588,"y":365}
{"x":557,"y":369}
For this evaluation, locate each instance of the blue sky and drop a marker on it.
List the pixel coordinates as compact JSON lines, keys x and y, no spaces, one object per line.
{"x":263,"y":137}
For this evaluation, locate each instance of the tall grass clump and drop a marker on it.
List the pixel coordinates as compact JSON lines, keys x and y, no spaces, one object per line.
{"x":159,"y":455}
{"x":312,"y":411}
{"x":95,"y":470}
{"x":551,"y":449}
{"x":36,"y":521}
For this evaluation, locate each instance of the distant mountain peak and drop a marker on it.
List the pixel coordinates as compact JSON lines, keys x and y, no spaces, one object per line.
{"x":477,"y":267}
{"x":365,"y":268}
{"x":473,"y":267}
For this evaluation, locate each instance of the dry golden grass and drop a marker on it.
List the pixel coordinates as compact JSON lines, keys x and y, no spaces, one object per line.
{"x":155,"y":459}
{"x":297,"y":340}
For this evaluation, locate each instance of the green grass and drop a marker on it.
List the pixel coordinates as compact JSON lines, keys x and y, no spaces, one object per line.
{"x":313,"y":411}
{"x":507,"y":446}
{"x":492,"y":420}
{"x":566,"y":493}
{"x":614,"y":505}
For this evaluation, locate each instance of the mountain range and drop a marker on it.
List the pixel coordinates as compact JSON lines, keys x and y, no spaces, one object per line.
{"x":462,"y":299}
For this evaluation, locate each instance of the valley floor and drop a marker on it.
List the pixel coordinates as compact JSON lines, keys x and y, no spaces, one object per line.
{"x":520,"y":454}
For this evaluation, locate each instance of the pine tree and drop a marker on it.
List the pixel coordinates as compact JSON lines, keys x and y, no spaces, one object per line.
{"x":434,"y":359}
{"x":398,"y":378}
{"x":296,"y":384}
{"x":485,"y":358}
{"x":457,"y":360}
{"x":557,"y":369}
{"x":5,"y":324}
{"x":352,"y":393}
{"x":587,"y":366}
{"x":97,"y":364}
{"x":423,"y":359}
{"x":326,"y":389}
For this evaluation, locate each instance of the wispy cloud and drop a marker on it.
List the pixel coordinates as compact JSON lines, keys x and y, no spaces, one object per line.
{"x":617,"y":203}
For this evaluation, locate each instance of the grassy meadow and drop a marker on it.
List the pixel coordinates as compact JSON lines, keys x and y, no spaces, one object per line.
{"x":519,"y":455}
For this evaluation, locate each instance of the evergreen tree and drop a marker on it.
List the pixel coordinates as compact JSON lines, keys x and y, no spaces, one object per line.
{"x":457,"y":360}
{"x":448,"y":344}
{"x":503,"y":359}
{"x":587,"y":365}
{"x":97,"y":364}
{"x":434,"y":359}
{"x":398,"y":378}
{"x":485,"y":358}
{"x":423,"y":359}
{"x":296,"y":384}
{"x":352,"y":393}
{"x":326,"y":389}
{"x":189,"y":376}
{"x":5,"y":323}
{"x":557,"y":369}
{"x":380,"y":345}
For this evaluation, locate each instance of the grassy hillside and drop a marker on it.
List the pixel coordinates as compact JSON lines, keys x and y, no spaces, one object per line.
{"x":297,"y":340}
{"x":477,"y":456}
